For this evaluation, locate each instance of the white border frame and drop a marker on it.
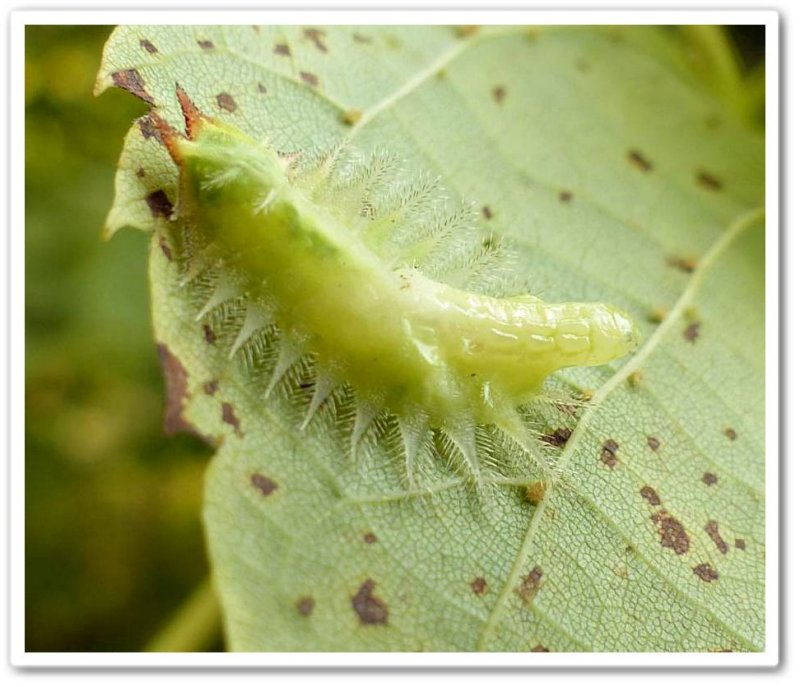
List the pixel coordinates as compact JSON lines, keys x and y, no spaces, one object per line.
{"x":19,"y":657}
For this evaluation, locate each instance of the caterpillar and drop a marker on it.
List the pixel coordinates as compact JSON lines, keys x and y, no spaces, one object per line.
{"x":378,"y":297}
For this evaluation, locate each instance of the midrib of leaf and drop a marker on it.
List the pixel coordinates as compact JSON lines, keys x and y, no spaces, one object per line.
{"x":740,"y":224}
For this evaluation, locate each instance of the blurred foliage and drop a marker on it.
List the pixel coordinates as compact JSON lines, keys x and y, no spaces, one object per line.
{"x":113,"y":534}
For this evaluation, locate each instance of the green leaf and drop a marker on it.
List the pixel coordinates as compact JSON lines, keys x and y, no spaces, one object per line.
{"x":619,"y":178}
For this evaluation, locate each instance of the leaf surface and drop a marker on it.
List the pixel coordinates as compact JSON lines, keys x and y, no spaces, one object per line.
{"x":618,"y":178}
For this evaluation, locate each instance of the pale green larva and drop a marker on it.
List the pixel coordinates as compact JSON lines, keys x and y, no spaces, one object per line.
{"x":344,"y":280}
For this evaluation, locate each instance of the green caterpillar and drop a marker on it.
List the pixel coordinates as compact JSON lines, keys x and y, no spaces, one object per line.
{"x":345,"y":280}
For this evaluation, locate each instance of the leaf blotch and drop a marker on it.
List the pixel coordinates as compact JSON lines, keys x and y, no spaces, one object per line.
{"x":370,"y":538}
{"x":310,"y":79}
{"x":653,"y":443}
{"x":540,"y":648}
{"x":499,"y":94}
{"x":159,"y":204}
{"x":205,"y":43}
{"x":209,"y":335}
{"x":712,"y":530}
{"x":264,"y":484}
{"x":565,"y":196}
{"x":229,"y":418}
{"x":317,"y":37}
{"x":282,"y":49}
{"x":370,"y":609}
{"x":262,"y":88}
{"x":649,"y":494}
{"x":684,"y":264}
{"x":692,"y":332}
{"x":672,"y":533}
{"x":147,"y":128}
{"x":131,"y":81}
{"x":351,"y":117}
{"x":305,"y":606}
{"x":705,"y":572}
{"x":709,"y":479}
{"x":740,"y":544}
{"x":479,"y":586}
{"x":361,"y":38}
{"x":639,"y":161}
{"x":140,"y":173}
{"x":211,"y":387}
{"x":708,"y":181}
{"x":175,"y":392}
{"x":730,"y":432}
{"x":148,"y":46}
{"x":530,"y":585}
{"x":226,"y":102}
{"x":608,"y":454}
{"x":558,"y":437}
{"x":535,"y":492}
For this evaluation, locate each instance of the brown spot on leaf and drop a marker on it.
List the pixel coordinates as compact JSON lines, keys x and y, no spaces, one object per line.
{"x":635,"y":379}
{"x":466,"y":31}
{"x":657,"y":315}
{"x":147,"y":45}
{"x":147,"y":128}
{"x":226,"y":102}
{"x":211,"y":387}
{"x":316,"y":36}
{"x":209,"y":335}
{"x":159,"y":204}
{"x":140,"y":173}
{"x":370,"y":609}
{"x":649,"y":494}
{"x":684,"y":264}
{"x":709,"y":478}
{"x":531,"y":584}
{"x":706,"y":573}
{"x":712,"y":530}
{"x":310,"y":79}
{"x":264,"y":484}
{"x":479,"y":586}
{"x":565,"y":196}
{"x":361,"y":38}
{"x":229,"y":418}
{"x":499,"y":94}
{"x":486,"y":211}
{"x":692,"y":332}
{"x":205,"y":43}
{"x":730,"y":432}
{"x":638,"y":160}
{"x":351,"y":117}
{"x":535,"y":491}
{"x":176,"y":392}
{"x":282,"y":49}
{"x":305,"y":605}
{"x":558,"y":437}
{"x":608,"y":454}
{"x":673,"y":535}
{"x":740,"y":544}
{"x":708,"y":181}
{"x":131,"y":81}
{"x":653,"y":443}
{"x":540,"y":647}
{"x":262,"y":88}
{"x":370,"y":538}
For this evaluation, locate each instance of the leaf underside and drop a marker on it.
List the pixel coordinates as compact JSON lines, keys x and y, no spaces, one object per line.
{"x":618,"y":179}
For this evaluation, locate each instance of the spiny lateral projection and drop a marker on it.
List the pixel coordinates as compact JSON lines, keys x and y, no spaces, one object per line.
{"x":390,"y":291}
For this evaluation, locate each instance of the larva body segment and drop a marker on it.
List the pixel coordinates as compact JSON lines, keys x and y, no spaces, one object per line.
{"x":434,"y":354}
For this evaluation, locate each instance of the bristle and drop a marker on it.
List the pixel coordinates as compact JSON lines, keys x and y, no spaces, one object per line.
{"x":414,"y":430}
{"x":224,"y":290}
{"x":323,"y":388}
{"x":365,"y":414}
{"x":462,"y":434}
{"x":255,"y":319}
{"x":288,"y":354}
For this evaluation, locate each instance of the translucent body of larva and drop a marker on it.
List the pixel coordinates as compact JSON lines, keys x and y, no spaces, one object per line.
{"x":435,"y":355}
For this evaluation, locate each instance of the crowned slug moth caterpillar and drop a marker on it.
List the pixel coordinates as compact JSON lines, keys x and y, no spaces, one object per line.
{"x":349,"y":277}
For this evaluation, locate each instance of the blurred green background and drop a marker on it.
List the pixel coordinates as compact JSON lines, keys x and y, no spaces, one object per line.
{"x":114,"y":543}
{"x":113,"y":535}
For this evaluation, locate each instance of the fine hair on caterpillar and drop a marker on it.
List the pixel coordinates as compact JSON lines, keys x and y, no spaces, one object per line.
{"x":372,"y":301}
